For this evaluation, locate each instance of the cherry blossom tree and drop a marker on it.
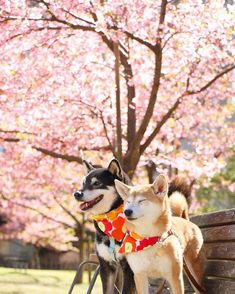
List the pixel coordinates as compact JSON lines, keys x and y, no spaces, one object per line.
{"x":137,"y":80}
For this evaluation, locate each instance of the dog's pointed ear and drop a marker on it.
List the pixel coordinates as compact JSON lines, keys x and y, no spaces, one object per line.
{"x":160,"y":186}
{"x":122,"y":189}
{"x":87,"y":166}
{"x":115,"y":168}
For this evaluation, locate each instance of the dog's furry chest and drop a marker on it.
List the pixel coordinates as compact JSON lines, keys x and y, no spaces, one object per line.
{"x":150,"y":263}
{"x":107,"y":249}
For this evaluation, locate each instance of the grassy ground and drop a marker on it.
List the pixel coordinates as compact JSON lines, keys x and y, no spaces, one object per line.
{"x":14,"y":281}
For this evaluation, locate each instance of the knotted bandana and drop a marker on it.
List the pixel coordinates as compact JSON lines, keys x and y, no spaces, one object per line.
{"x":112,"y":223}
{"x":133,"y":242}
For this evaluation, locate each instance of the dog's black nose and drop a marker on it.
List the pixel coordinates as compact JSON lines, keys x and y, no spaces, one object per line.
{"x":78,"y":195}
{"x":128,"y":212}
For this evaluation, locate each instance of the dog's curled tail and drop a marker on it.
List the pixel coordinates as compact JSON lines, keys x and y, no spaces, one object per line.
{"x":180,"y":197}
{"x":180,"y":184}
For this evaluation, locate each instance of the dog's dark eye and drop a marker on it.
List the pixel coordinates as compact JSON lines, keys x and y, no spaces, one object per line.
{"x":96,"y":183}
{"x":140,"y":201}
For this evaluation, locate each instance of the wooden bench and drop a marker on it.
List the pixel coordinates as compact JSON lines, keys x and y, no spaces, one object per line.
{"x":218,"y":230}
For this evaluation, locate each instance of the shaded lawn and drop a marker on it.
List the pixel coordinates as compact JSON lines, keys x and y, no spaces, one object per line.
{"x":15,"y":281}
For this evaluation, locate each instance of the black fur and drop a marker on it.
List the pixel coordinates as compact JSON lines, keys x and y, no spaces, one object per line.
{"x":104,"y":178}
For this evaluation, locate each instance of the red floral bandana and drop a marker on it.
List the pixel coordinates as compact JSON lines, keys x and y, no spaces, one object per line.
{"x":112,"y":223}
{"x":133,"y":242}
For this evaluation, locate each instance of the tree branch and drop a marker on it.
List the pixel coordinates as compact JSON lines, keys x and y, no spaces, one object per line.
{"x":67,"y":157}
{"x":16,"y":132}
{"x":162,"y":13}
{"x":123,"y":58}
{"x":177,"y":103}
{"x":79,"y":18}
{"x":32,"y":30}
{"x":139,"y":40}
{"x":118,"y":104}
{"x":53,"y":18}
{"x":67,"y":211}
{"x":171,"y":36}
{"x":12,"y":139}
{"x":15,"y":140}
{"x":128,"y":73}
{"x":161,"y":21}
{"x":156,"y":81}
{"x":133,"y":153}
{"x":107,"y":135}
{"x":39,"y":212}
{"x":160,"y":124}
{"x":207,"y":85}
{"x":133,"y":37}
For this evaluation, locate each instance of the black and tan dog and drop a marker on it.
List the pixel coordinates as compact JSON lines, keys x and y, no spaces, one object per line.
{"x":99,"y":197}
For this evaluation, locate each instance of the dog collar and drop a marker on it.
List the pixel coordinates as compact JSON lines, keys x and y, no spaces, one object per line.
{"x":132,"y":242}
{"x":112,"y":223}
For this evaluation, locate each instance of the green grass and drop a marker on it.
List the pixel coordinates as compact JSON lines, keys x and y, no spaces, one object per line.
{"x":15,"y":281}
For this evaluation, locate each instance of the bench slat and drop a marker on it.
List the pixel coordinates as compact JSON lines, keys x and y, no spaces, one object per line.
{"x":219,"y":286}
{"x":220,"y":268}
{"x":215,"y":218}
{"x":225,"y":250}
{"x":222,"y":233}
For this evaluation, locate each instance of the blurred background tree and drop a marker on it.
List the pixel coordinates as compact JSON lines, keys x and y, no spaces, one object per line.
{"x":149,"y":82}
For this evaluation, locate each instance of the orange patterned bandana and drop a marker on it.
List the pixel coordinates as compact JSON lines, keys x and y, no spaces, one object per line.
{"x":133,"y":242}
{"x":112,"y":223}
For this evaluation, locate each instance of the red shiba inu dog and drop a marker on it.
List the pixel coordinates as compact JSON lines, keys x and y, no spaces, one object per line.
{"x":157,"y":244}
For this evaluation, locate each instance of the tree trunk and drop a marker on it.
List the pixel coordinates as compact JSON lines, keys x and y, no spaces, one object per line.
{"x":130,"y":162}
{"x":118,"y":104}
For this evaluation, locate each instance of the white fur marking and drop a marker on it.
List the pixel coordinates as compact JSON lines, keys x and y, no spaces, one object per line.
{"x":177,"y":196}
{"x":93,"y":180}
{"x":103,"y":251}
{"x":109,"y":196}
